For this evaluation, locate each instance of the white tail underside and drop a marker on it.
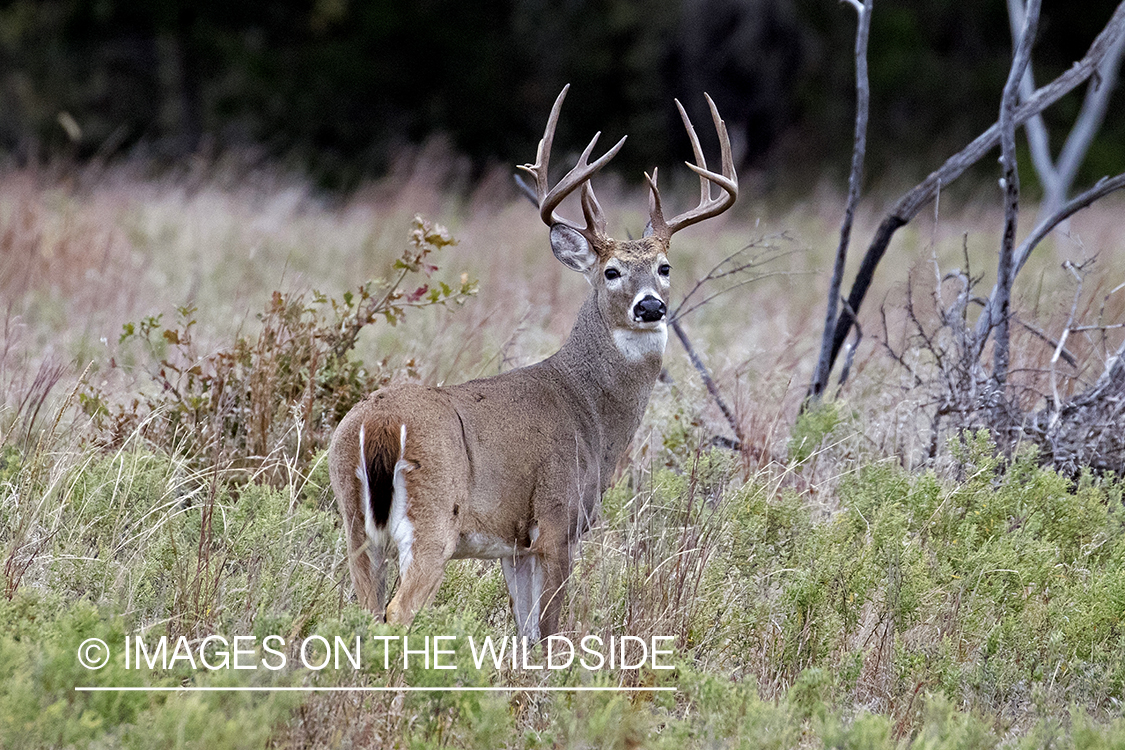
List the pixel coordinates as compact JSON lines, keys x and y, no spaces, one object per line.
{"x":398,"y":527}
{"x":402,"y":530}
{"x":376,"y":538}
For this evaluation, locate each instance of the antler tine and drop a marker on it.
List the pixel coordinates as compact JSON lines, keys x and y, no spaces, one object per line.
{"x":727,"y":158}
{"x":696,"y":149}
{"x":656,"y":224}
{"x":592,"y":210}
{"x":538,"y":170}
{"x":580,"y":174}
{"x":728,"y":180}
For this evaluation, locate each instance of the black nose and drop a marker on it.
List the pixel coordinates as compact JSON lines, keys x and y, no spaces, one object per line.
{"x":650,"y":310}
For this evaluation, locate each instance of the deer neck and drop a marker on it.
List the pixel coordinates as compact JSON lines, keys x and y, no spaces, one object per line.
{"x":609,"y":382}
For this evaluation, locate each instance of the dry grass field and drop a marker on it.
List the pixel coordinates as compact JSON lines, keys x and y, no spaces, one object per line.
{"x":175,"y":350}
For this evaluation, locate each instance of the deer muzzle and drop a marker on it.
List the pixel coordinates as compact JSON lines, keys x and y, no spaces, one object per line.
{"x":650,"y":309}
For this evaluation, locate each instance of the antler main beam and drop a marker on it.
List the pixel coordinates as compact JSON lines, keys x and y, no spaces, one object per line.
{"x":549,"y":198}
{"x":709,"y":205}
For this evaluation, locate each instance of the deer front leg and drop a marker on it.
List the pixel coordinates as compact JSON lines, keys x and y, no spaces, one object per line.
{"x":524,"y":576}
{"x":554,"y":568}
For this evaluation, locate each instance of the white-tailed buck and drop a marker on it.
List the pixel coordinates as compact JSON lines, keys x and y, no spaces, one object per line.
{"x":513,"y":466}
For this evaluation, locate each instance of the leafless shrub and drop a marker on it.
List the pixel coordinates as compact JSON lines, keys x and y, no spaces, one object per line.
{"x":1084,"y":430}
{"x":945,"y":354}
{"x":1044,"y":399}
{"x":942,"y":356}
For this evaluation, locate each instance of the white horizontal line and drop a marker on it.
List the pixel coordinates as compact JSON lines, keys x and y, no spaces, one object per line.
{"x":376,"y":689}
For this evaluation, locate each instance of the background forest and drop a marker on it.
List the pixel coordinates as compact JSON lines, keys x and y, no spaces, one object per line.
{"x":337,"y":87}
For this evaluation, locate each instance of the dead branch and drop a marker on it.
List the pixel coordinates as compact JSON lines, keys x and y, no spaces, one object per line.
{"x":859,"y":148}
{"x":1011,"y":184}
{"x":899,"y":358}
{"x":1104,"y":186}
{"x":1086,"y":430}
{"x":912,"y":202}
{"x":526,"y":190}
{"x":682,"y":313}
{"x":733,"y":265}
{"x":850,"y":357}
{"x":1057,"y":176}
{"x":1064,"y":354}
{"x":712,"y":388}
{"x":1038,"y":140}
{"x":1062,"y":339}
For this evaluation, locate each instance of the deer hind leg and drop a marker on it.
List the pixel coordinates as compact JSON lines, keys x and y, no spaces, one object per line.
{"x":422,"y":557}
{"x":418,"y":582}
{"x":366,"y":555}
{"x":425,"y":541}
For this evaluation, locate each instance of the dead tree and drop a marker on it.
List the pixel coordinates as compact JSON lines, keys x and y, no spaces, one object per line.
{"x":913,"y":201}
{"x":962,"y":392}
{"x":1021,"y":56}
{"x":1057,"y":175}
{"x":859,"y":148}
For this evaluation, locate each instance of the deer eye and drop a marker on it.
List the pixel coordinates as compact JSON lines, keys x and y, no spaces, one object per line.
{"x":664,"y":269}
{"x":612,"y":273}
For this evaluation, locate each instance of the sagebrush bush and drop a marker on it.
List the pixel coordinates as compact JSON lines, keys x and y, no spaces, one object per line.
{"x":927,"y":611}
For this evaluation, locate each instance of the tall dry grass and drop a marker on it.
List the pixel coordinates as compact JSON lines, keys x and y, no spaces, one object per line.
{"x":807,"y":566}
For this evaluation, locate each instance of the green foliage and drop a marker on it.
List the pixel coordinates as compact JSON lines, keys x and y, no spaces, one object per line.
{"x":917,"y":611}
{"x":282,"y":390}
{"x":813,"y":426}
{"x":40,"y":706}
{"x":964,"y":600}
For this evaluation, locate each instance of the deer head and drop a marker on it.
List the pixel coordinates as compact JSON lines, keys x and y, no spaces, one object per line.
{"x":631,"y":277}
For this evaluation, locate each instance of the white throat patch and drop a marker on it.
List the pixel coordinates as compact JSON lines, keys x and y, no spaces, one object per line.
{"x":637,"y":343}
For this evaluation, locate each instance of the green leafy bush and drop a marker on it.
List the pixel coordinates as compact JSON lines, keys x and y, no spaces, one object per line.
{"x":279,"y":392}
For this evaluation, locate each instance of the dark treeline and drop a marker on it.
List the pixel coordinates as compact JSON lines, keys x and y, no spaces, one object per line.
{"x":339,"y":85}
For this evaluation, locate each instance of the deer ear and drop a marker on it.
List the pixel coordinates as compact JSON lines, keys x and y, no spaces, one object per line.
{"x":570,"y":247}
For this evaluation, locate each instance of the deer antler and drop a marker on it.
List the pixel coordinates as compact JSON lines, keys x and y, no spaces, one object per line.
{"x":580,"y":174}
{"x":708,"y":206}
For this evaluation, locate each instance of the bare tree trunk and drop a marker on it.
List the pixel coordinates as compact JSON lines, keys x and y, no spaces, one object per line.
{"x":1037,"y":138}
{"x":1021,"y":56}
{"x":863,"y":96}
{"x":912,"y":202}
